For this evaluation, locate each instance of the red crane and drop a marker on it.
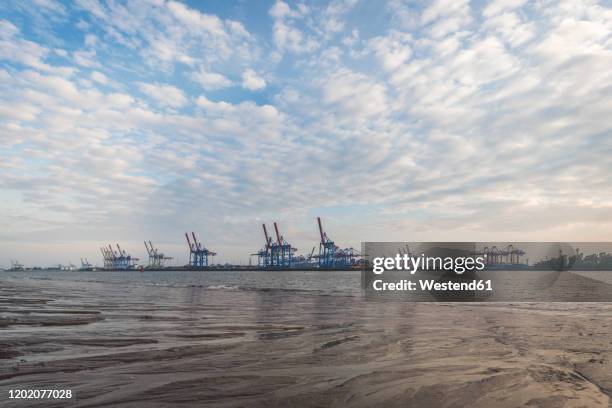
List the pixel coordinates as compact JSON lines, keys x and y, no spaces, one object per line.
{"x":195,"y":241}
{"x":189,"y":242}
{"x":268,"y":239}
{"x":278,"y":237}
{"x":321,"y":230}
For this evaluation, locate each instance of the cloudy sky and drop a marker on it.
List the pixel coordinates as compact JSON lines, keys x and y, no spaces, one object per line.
{"x":444,"y":120}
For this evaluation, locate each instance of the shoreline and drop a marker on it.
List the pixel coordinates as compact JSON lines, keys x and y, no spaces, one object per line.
{"x":190,"y":269}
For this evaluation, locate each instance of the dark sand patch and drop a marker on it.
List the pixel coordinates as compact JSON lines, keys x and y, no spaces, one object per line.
{"x":106,"y":360}
{"x":211,"y":335}
{"x":337,"y":342}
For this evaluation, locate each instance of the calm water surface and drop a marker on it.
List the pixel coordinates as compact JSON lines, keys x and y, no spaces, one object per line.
{"x":328,"y":281}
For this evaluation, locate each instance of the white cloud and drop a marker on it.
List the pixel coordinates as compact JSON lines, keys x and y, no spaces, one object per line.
{"x":501,"y":6}
{"x":209,"y":105}
{"x":392,"y":50}
{"x":99,"y":77}
{"x":169,"y":32}
{"x":164,"y":95}
{"x":195,"y":19}
{"x":50,"y":5}
{"x":356,"y":95}
{"x":252,"y":81}
{"x":332,"y":19}
{"x":211,"y":80}
{"x":281,"y":10}
{"x":446,"y":16}
{"x":510,"y":27}
{"x":91,"y":40}
{"x":287,"y":36}
{"x":86,"y":58}
{"x":18,"y":50}
{"x":445,"y":9}
{"x":243,"y":111}
{"x":292,"y":39}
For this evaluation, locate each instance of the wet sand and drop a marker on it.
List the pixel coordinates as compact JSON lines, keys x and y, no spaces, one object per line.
{"x":126,"y":345}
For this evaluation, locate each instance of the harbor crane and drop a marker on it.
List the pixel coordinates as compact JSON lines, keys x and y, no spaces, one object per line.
{"x":330,"y":255}
{"x":156,"y":259}
{"x":327,"y":249}
{"x":119,"y":259}
{"x":198,"y":254}
{"x":275,"y":254}
{"x":282,"y":251}
{"x":264,"y":255}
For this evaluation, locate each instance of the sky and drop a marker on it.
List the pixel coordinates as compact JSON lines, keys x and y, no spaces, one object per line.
{"x":444,"y":120}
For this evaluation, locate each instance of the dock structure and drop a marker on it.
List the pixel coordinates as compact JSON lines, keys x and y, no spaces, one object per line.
{"x":108,"y":257}
{"x":327,"y":248}
{"x":331,"y":256}
{"x":264,"y":255}
{"x":198,"y":254}
{"x":119,"y":259}
{"x":347,"y":257}
{"x":85,"y":264}
{"x":156,"y":258}
{"x":281,"y":252}
{"x":276,"y":254}
{"x":502,"y":256}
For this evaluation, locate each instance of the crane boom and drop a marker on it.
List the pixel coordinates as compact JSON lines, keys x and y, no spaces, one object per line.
{"x":195,"y":241}
{"x":189,"y":242}
{"x":277,"y":234}
{"x":265,"y":233}
{"x":321,"y":230}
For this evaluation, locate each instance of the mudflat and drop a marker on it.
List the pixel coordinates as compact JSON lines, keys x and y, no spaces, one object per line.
{"x":145,"y":346}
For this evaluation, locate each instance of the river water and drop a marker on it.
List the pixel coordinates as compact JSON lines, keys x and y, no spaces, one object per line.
{"x":291,"y":339}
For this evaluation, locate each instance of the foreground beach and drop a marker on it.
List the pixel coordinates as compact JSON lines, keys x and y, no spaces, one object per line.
{"x":126,"y":344}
